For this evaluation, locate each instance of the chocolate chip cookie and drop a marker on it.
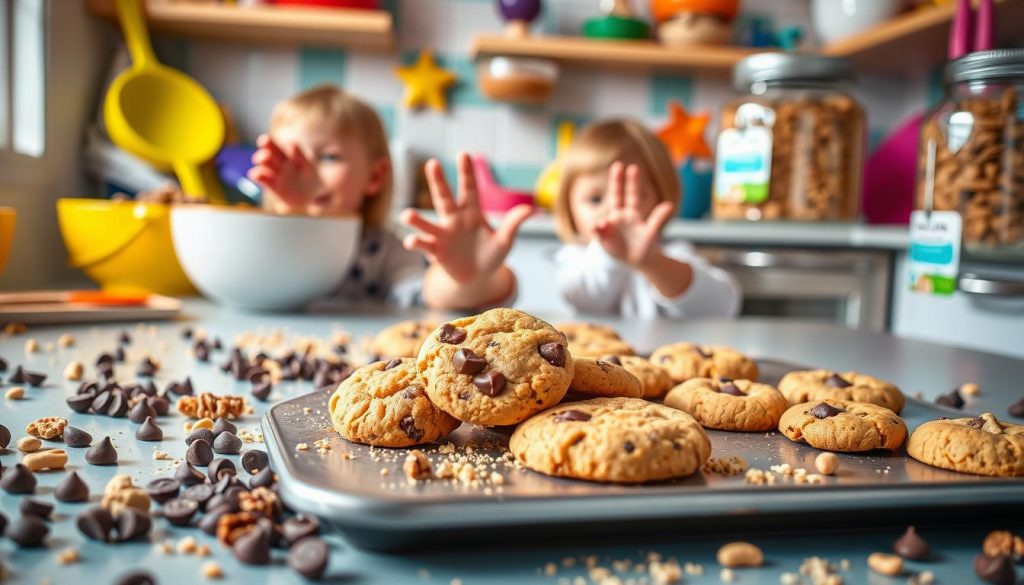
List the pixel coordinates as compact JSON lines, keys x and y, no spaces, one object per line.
{"x":403,"y":339}
{"x":653,"y":380}
{"x":739,"y":405}
{"x":812,"y":385}
{"x":682,"y":361}
{"x":594,"y":377}
{"x":982,"y":445}
{"x":593,"y":340}
{"x":620,"y":440}
{"x":496,"y":368}
{"x":384,"y":404}
{"x":838,"y":425}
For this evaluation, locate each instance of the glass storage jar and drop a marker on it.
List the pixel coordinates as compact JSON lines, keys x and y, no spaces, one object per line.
{"x":978,"y":130}
{"x":791,"y":147}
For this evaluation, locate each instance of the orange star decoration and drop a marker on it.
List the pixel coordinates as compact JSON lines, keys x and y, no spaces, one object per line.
{"x":426,"y":83}
{"x":684,"y":133}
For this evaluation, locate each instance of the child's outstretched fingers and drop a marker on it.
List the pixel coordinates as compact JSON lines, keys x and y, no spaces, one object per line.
{"x":422,"y":242}
{"x":413,"y":219}
{"x":661,"y":213}
{"x":440,"y":193}
{"x":632,"y":200}
{"x":509,"y":225}
{"x":615,"y":188}
{"x":467,"y":181}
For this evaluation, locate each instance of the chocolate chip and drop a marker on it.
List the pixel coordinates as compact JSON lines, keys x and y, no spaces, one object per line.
{"x":998,"y":569}
{"x":730,"y":388}
{"x":253,"y":547}
{"x":572,"y":415}
{"x":951,"y":400}
{"x":102,"y":400}
{"x":825,"y":410}
{"x":223,"y":425}
{"x":208,"y":523}
{"x":71,"y":489}
{"x":28,"y":531}
{"x":413,"y":392}
{"x":199,"y":493}
{"x":837,"y":381}
{"x":308,"y":557}
{"x":3,"y":365}
{"x":201,"y":351}
{"x":199,"y":453}
{"x":629,"y":447}
{"x":146,"y":369}
{"x":182,"y":389}
{"x":137,"y":578}
{"x":227,"y":443}
{"x":161,"y":405}
{"x":299,"y":526}
{"x":34,"y":379}
{"x":119,"y":354}
{"x":106,"y":371}
{"x":5,"y":437}
{"x":261,"y":390}
{"x":265,"y":478}
{"x":255,"y":374}
{"x":1017,"y":409}
{"x":80,"y":402}
{"x":149,"y":431}
{"x":254,"y":460}
{"x":37,"y":508}
{"x":189,"y":475}
{"x":140,"y":412}
{"x":96,"y":523}
{"x":102,"y":453}
{"x":131,"y":524}
{"x":700,"y":350}
{"x":976,"y":422}
{"x":553,"y":353}
{"x":163,"y":489}
{"x":219,"y":467}
{"x":124,"y":338}
{"x":76,"y":437}
{"x":18,"y":480}
{"x":393,"y":364}
{"x":490,"y":383}
{"x":179,"y":511}
{"x":613,"y":359}
{"x":912,"y":546}
{"x":408,"y":426}
{"x":118,"y":406}
{"x":451,"y":334}
{"x":468,"y":362}
{"x":204,"y":434}
{"x":88,"y":388}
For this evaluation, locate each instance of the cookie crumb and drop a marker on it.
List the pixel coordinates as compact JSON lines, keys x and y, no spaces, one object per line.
{"x":922,"y":578}
{"x":734,"y":465}
{"x":550,"y":569}
{"x":789,"y":579}
{"x":727,"y":576}
{"x":970,"y":389}
{"x":166,"y":547}
{"x":186,"y":546}
{"x":159,"y":455}
{"x":302,"y":447}
{"x":665,"y":573}
{"x":212,"y":570}
{"x":885,"y":564}
{"x":31,"y":346}
{"x":384,"y":471}
{"x":456,"y":582}
{"x":73,"y":371}
{"x":68,"y":556}
{"x":417,"y":467}
{"x":322,"y":445}
{"x":15,"y":393}
{"x":66,"y":340}
{"x":826,"y":463}
{"x":693,"y":569}
{"x":203,"y":550}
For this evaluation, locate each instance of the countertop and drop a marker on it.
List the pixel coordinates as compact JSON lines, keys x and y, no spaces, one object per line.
{"x":916,"y":366}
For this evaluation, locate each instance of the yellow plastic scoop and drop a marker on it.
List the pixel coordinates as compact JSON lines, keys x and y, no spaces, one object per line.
{"x":162,"y":115}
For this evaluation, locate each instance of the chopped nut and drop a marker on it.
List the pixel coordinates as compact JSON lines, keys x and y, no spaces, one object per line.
{"x":260,"y":501}
{"x":15,"y":393}
{"x":68,"y":556}
{"x":66,"y":340}
{"x":50,"y":427}
{"x":885,"y":564}
{"x":740,"y":554}
{"x":417,"y":467}
{"x":232,"y":526}
{"x":50,"y":459}
{"x":212,"y":570}
{"x":693,"y":569}
{"x":665,"y":573}
{"x":166,"y":547}
{"x":74,"y":371}
{"x":203,"y":550}
{"x":1003,"y":542}
{"x":922,"y":578}
{"x":28,"y":444}
{"x":727,"y":576}
{"x":970,"y":389}
{"x":302,"y":447}
{"x":789,"y":579}
{"x":211,"y":406}
{"x":121,"y":492}
{"x":826,"y":463}
{"x":31,"y":346}
{"x":15,"y":328}
{"x":186,"y":546}
{"x":203,"y":423}
{"x":159,"y":455}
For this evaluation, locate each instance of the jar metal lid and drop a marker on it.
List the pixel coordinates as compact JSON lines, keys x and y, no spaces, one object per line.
{"x":778,"y":67}
{"x":997,"y":64}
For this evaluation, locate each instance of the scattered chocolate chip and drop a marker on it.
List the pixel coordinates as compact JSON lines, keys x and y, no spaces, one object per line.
{"x":261,"y":390}
{"x":256,"y":374}
{"x":253,"y":547}
{"x":96,"y":523}
{"x":451,"y":334}
{"x":254,"y":460}
{"x":227,"y":443}
{"x":199,"y":453}
{"x":3,"y":365}
{"x":308,"y":557}
{"x":18,"y":480}
{"x":131,"y":524}
{"x":18,"y":377}
{"x":159,"y":404}
{"x":148,"y":431}
{"x":71,"y":489}
{"x":572,"y":415}
{"x":28,"y":531}
{"x":730,"y":388}
{"x":223,"y":425}
{"x":163,"y":489}
{"x":704,"y":354}
{"x":199,"y":493}
{"x":106,"y":371}
{"x":208,"y":523}
{"x":265,"y":478}
{"x":553,"y":353}
{"x":228,"y":482}
{"x":3,"y":523}
{"x":837,"y":381}
{"x":118,"y":406}
{"x":146,"y":369}
{"x":413,"y":392}
{"x":34,"y":379}
{"x":104,"y":358}
{"x":204,"y":434}
{"x":137,"y":578}
{"x":183,"y":389}
{"x":76,"y":437}
{"x":951,"y":400}
{"x":299,"y":526}
{"x":189,"y":475}
{"x":102,"y":453}
{"x":976,"y":422}
{"x":468,"y":362}
{"x":119,"y":355}
{"x":998,"y":569}
{"x":912,"y":546}
{"x":80,"y":402}
{"x":614,"y":359}
{"x":408,"y":426}
{"x":179,"y":511}
{"x":825,"y":410}
{"x":490,"y":383}
{"x":141,"y":411}
{"x":1017,"y":409}
{"x":393,"y":364}
{"x":5,"y":437}
{"x":124,"y":338}
{"x":219,"y":467}
{"x":37,"y":508}
{"x":629,"y":447}
{"x":201,"y":351}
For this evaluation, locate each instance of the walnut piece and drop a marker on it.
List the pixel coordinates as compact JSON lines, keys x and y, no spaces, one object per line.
{"x":50,"y":427}
{"x":211,"y":406}
{"x":260,"y":501}
{"x":231,"y":527}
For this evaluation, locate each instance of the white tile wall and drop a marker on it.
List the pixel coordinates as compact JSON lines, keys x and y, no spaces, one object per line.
{"x":523,"y":136}
{"x":371,"y":76}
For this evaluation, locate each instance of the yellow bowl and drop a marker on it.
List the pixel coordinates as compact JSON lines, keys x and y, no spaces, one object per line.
{"x":6,"y":235}
{"x":123,"y":246}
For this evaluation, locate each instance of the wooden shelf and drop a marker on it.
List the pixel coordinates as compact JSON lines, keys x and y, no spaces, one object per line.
{"x":917,"y":41}
{"x":603,"y":54}
{"x":369,"y":30}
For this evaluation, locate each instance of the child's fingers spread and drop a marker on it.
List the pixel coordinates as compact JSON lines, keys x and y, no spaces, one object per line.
{"x":440,"y":193}
{"x":412,"y":218}
{"x":467,"y":180}
{"x":421,"y":242}
{"x":263,"y":176}
{"x":659,"y":215}
{"x":632,"y":187}
{"x":511,"y":222}
{"x":268,"y":143}
{"x":266,"y":158}
{"x":615,"y":176}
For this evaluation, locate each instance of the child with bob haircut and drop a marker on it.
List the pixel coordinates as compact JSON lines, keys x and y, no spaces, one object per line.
{"x":618,"y":189}
{"x":327,"y":153}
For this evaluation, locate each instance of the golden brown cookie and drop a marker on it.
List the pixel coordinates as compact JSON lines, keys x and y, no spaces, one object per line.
{"x":496,"y":368}
{"x":982,"y":445}
{"x":403,"y":339}
{"x":739,"y":405}
{"x":621,"y":440}
{"x":653,"y":380}
{"x":593,"y":340}
{"x":595,"y":377}
{"x":811,"y":385}
{"x":682,"y":361}
{"x":837,"y":425}
{"x":384,"y":404}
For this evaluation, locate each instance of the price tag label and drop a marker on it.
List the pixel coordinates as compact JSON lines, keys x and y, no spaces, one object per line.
{"x":934,"y":255}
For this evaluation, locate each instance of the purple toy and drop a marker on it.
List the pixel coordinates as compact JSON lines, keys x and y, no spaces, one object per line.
{"x":519,"y":9}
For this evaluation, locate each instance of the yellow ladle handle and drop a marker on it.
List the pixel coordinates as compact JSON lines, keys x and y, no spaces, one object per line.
{"x":133,"y":24}
{"x":191,"y":179}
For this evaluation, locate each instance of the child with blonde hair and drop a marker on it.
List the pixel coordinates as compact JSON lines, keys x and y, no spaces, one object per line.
{"x":618,"y":189}
{"x":327,"y":153}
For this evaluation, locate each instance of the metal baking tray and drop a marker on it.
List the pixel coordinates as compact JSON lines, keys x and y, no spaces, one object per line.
{"x":346,"y":488}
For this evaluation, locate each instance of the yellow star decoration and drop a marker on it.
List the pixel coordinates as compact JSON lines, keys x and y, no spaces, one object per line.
{"x":426,"y":83}
{"x":684,"y":133}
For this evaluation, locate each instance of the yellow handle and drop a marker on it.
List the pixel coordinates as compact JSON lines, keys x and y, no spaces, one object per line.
{"x":136,"y":36}
{"x":564,"y":136}
{"x":197,"y":183}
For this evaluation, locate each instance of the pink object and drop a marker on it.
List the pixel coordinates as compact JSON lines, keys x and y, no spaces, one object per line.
{"x":983,"y":28}
{"x":494,"y":197}
{"x":890,"y":177}
{"x":960,"y":32}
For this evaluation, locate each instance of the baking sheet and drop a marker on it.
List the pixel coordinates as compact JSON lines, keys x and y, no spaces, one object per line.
{"x":157,"y":307}
{"x":345,"y":485}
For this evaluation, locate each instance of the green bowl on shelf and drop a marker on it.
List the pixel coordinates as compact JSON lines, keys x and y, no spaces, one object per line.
{"x":616,"y":27}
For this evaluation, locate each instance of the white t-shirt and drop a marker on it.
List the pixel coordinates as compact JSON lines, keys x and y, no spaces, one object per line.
{"x":594,"y":282}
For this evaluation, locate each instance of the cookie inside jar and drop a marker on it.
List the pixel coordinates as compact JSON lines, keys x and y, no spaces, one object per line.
{"x":791,"y":147}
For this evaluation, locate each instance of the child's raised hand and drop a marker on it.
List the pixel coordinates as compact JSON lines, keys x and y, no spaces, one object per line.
{"x":461,"y":241}
{"x":623,"y":232}
{"x":285,"y":171}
